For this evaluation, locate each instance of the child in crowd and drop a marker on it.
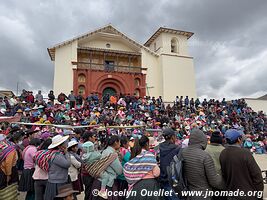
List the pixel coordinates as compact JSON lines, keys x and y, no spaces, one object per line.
{"x":90,"y":156}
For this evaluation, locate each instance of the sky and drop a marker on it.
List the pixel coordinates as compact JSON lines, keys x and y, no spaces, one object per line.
{"x":229,"y":45}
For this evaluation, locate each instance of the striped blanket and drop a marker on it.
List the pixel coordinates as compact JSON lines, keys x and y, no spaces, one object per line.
{"x":95,"y":169}
{"x":137,"y":168}
{"x":43,"y":158}
{"x":6,"y":147}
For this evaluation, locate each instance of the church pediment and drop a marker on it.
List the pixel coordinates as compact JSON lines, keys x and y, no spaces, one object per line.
{"x":100,"y":38}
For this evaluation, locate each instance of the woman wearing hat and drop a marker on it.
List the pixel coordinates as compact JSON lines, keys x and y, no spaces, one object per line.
{"x":26,"y":183}
{"x":65,"y":192}
{"x":59,"y":164}
{"x":74,"y":170}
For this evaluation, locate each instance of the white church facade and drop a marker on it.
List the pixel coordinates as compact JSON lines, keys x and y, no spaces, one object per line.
{"x":108,"y":61}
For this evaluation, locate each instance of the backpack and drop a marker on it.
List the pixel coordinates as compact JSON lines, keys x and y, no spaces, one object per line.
{"x":175,"y":175}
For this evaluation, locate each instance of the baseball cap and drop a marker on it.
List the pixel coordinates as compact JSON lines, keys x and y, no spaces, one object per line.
{"x":168,"y":132}
{"x":232,"y":135}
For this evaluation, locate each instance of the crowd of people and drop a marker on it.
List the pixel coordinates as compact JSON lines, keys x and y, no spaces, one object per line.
{"x":127,"y":143}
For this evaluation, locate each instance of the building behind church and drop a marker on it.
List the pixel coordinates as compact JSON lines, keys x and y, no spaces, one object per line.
{"x":106,"y":61}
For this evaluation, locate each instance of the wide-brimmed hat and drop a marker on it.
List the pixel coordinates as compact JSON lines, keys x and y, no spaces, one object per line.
{"x":40,"y":107}
{"x":27,"y":110}
{"x":35,"y":107}
{"x":66,"y":190}
{"x":72,"y":143}
{"x":19,"y":111}
{"x":3,"y":110}
{"x":57,"y":140}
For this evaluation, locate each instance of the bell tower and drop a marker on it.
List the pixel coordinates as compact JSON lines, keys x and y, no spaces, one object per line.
{"x":175,"y":63}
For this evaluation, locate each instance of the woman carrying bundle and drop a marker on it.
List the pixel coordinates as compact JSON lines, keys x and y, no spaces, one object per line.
{"x":141,"y":171}
{"x":111,"y":166}
{"x":57,"y":162}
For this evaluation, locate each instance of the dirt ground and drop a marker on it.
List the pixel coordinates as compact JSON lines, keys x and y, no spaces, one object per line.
{"x":261,"y":160}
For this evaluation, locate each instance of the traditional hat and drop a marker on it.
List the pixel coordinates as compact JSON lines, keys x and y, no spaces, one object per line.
{"x":41,"y":107}
{"x":24,"y":102}
{"x":57,"y":140}
{"x":35,"y":107}
{"x":72,"y":143}
{"x":19,"y":111}
{"x":27,"y":109}
{"x":45,"y":135}
{"x":3,"y":111}
{"x":68,"y":132}
{"x":65,"y":190}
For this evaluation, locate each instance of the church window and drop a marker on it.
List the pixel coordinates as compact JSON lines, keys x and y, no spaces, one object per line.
{"x":81,"y":78}
{"x":174,"y":45}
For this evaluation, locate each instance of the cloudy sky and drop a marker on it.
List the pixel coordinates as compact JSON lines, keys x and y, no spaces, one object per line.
{"x":229,"y":46}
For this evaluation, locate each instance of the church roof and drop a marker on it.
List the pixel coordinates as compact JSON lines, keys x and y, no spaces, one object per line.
{"x":167,"y":30}
{"x":107,"y":29}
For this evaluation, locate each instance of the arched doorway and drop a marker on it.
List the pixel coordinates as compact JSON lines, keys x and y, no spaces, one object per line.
{"x":109,"y":90}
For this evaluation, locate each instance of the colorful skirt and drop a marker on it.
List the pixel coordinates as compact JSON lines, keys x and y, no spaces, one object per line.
{"x":8,"y":191}
{"x":26,"y":182}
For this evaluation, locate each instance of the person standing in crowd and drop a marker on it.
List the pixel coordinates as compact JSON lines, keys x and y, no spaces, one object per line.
{"x":30,"y":98}
{"x":215,"y":148}
{"x":72,"y":99}
{"x":74,"y":170}
{"x":8,"y":171}
{"x":26,"y":183}
{"x":88,"y":136}
{"x":39,"y":97}
{"x":239,"y":168}
{"x":51,"y":96}
{"x":113,"y":170}
{"x":199,"y":169}
{"x":142,"y":170}
{"x":40,"y":176}
{"x":79,"y":99}
{"x":168,"y":150}
{"x":59,"y":163}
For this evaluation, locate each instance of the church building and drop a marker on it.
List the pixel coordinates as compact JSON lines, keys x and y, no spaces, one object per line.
{"x":106,"y":61}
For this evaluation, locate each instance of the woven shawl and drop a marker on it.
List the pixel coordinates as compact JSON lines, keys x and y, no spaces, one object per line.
{"x":137,"y":168}
{"x":6,"y":147}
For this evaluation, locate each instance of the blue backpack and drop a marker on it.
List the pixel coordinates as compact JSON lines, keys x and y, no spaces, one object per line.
{"x":175,"y":175}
